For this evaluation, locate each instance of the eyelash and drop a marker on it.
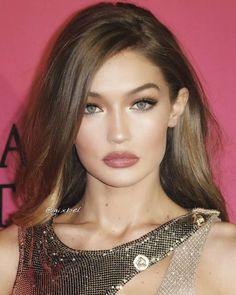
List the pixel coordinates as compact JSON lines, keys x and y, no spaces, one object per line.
{"x":150,"y":101}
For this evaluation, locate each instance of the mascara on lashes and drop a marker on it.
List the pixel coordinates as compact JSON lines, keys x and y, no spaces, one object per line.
{"x":151,"y":102}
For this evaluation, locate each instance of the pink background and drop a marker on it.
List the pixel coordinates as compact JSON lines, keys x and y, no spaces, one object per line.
{"x":206,"y":28}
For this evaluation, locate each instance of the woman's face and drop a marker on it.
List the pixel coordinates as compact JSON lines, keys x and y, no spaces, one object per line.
{"x":128,"y":110}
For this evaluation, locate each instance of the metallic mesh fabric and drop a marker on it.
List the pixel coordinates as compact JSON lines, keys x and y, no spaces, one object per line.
{"x":48,"y":267}
{"x":180,"y":275}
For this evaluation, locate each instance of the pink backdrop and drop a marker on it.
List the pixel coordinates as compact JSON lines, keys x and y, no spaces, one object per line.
{"x":206,"y":28}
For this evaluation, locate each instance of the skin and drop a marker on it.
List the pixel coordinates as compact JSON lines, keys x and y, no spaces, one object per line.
{"x":122,"y":204}
{"x":119,"y":123}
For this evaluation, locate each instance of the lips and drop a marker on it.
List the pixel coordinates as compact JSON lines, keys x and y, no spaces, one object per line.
{"x":120,"y":159}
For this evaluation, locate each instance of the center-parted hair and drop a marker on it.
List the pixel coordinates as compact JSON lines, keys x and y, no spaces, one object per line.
{"x":54,"y":176}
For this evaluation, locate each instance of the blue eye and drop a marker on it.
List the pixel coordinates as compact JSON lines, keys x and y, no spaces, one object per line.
{"x":90,"y":108}
{"x":144,"y":104}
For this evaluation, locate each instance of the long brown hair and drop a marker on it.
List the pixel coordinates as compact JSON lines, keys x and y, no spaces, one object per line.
{"x":54,"y":176}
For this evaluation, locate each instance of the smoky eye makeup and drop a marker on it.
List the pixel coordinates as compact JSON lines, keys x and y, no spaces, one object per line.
{"x":141,"y":105}
{"x":144,"y":103}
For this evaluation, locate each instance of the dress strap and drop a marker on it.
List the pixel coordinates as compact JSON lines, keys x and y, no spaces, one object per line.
{"x":23,"y":237}
{"x":180,"y":276}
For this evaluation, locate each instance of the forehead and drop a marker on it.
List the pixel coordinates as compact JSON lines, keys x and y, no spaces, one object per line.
{"x":125,"y":71}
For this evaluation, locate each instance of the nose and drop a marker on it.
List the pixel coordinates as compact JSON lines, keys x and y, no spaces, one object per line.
{"x":118,"y":127}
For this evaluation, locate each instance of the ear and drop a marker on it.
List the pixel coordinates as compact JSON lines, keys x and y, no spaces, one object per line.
{"x":178,"y":107}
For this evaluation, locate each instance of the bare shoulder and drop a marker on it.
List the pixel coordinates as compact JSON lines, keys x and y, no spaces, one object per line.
{"x":9,"y":258}
{"x":217,"y":267}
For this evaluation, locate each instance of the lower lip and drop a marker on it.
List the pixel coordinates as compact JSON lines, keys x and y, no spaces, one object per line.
{"x":121,"y":163}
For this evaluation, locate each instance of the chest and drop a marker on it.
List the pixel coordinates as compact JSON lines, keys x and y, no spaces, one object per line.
{"x":156,"y":264}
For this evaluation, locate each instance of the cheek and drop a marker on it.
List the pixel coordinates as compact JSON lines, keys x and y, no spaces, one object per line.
{"x":150,"y":134}
{"x":146,"y":132}
{"x":154,"y":145}
{"x":88,"y":140}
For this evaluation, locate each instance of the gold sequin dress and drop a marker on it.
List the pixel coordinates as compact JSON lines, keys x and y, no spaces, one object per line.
{"x":49,"y":267}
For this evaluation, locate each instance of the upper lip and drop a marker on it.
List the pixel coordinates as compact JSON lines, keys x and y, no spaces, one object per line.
{"x":120,"y":155}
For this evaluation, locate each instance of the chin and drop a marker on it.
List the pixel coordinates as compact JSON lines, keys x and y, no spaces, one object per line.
{"x":119,"y":179}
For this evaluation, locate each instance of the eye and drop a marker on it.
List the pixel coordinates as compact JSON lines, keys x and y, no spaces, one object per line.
{"x":144,"y":104}
{"x":90,"y":109}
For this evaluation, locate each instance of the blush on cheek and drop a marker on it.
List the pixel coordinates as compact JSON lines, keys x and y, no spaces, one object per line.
{"x":159,"y":145}
{"x":87,"y":150}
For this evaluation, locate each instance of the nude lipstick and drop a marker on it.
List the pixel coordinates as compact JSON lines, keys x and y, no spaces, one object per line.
{"x":120,"y":159}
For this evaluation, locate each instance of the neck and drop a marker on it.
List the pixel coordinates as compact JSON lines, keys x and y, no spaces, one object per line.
{"x":119,"y":208}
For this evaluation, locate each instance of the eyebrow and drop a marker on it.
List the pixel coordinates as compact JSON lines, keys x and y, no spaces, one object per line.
{"x":133,"y":91}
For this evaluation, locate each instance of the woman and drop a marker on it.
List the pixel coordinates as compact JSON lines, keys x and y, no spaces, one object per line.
{"x":118,"y":192}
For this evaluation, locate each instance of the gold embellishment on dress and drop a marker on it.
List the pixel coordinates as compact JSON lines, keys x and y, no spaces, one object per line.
{"x":198,"y":219}
{"x":141,"y":262}
{"x":47,"y":266}
{"x":206,"y":211}
{"x":198,"y":215}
